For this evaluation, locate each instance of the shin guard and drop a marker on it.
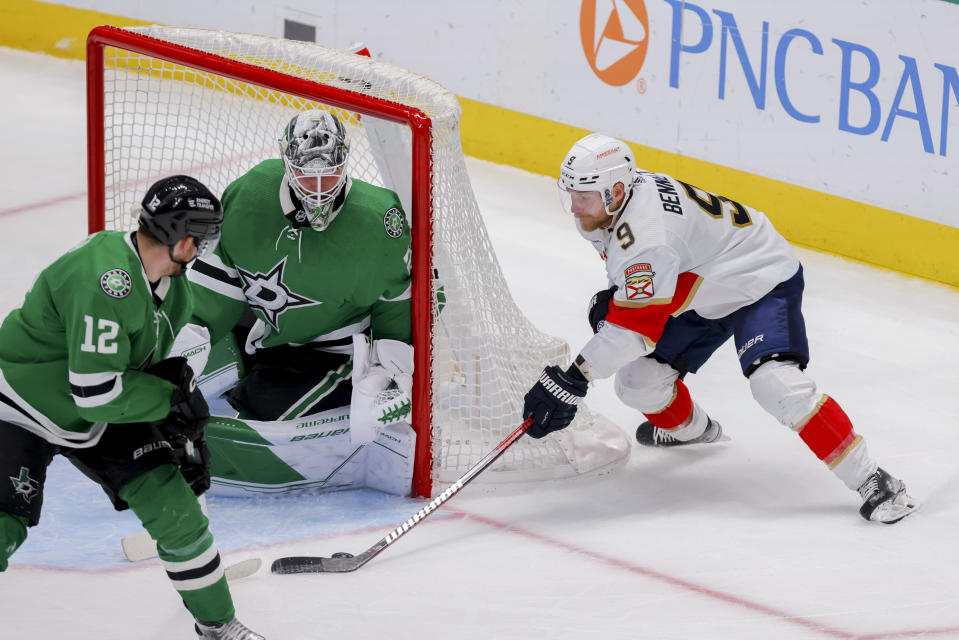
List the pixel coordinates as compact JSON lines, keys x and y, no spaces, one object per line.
{"x":13,"y":531}
{"x":677,"y":413}
{"x":171,"y":513}
{"x":828,"y":432}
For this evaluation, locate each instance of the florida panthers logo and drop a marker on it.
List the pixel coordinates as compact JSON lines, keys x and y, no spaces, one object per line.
{"x":639,"y":281}
{"x":267,"y":293}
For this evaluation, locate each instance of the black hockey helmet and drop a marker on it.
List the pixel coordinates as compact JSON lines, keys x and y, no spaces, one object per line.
{"x":180,"y":206}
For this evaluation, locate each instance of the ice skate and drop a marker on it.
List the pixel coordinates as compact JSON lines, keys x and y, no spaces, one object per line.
{"x":232,"y":630}
{"x":651,"y":436}
{"x":885,"y":499}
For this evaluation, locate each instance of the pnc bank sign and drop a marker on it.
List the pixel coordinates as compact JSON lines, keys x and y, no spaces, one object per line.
{"x":615,"y":36}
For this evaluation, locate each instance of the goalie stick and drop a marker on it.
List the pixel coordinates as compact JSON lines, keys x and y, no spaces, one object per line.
{"x":344,"y":562}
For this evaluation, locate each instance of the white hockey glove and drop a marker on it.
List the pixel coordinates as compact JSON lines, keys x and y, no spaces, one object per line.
{"x":382,"y":381}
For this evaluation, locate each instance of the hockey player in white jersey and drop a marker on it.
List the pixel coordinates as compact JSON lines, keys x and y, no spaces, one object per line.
{"x":687,"y":269}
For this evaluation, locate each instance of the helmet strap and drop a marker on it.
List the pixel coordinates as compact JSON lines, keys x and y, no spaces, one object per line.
{"x":185,"y":264}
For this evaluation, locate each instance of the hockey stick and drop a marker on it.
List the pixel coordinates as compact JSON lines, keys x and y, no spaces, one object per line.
{"x":344,"y":562}
{"x":140,"y":546}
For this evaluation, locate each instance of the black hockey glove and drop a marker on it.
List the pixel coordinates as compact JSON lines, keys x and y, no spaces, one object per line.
{"x":189,"y":412}
{"x":193,"y":458}
{"x":599,"y":308}
{"x":552,"y":401}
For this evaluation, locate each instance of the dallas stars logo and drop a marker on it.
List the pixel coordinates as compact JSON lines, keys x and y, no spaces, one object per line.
{"x":267,"y":293}
{"x":25,"y":486}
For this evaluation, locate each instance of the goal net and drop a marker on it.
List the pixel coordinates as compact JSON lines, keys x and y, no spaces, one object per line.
{"x":211,"y":104}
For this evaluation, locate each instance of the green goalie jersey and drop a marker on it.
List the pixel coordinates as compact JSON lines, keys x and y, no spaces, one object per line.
{"x":306,"y":286}
{"x":72,"y":356}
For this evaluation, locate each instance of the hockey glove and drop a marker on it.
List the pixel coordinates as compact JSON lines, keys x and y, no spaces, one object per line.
{"x":552,"y":401}
{"x":193,"y":459}
{"x":382,"y":381}
{"x":189,"y":412}
{"x":599,"y":308}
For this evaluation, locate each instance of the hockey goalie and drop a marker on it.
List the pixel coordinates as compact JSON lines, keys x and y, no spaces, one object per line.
{"x":302,"y":324}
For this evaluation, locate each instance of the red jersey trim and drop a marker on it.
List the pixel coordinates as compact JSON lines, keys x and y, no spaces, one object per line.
{"x":649,"y":319}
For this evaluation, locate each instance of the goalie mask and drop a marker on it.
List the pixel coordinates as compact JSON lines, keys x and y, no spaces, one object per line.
{"x":314,"y":147}
{"x":596,"y":163}
{"x":180,"y":206}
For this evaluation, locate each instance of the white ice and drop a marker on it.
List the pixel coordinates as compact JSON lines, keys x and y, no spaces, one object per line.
{"x":751,"y":538}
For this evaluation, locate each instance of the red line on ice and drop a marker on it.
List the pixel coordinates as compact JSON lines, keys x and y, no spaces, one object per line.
{"x":783,"y":616}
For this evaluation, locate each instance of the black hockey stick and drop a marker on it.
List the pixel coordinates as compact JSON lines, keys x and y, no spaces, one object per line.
{"x":344,"y":562}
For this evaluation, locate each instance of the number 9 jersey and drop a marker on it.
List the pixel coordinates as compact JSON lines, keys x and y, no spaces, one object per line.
{"x":71,"y":357}
{"x":672,"y":248}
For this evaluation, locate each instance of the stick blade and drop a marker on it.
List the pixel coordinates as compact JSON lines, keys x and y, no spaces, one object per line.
{"x":139,"y":546}
{"x":242,"y":569}
{"x":315,"y":564}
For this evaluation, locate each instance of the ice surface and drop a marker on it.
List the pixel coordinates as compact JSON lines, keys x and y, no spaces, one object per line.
{"x":749,"y":539}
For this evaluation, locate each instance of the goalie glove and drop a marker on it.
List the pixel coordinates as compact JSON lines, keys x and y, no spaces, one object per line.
{"x":382,"y":381}
{"x":553,"y":401}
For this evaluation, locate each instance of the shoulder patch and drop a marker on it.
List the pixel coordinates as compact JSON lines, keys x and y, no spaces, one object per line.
{"x":639,"y":281}
{"x":394,"y":221}
{"x":116,"y":283}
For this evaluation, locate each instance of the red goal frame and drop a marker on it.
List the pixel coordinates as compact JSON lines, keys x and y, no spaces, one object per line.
{"x":422,"y":208}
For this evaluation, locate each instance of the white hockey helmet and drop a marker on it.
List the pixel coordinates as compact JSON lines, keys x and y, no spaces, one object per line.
{"x":314,"y":146}
{"x":596,"y":163}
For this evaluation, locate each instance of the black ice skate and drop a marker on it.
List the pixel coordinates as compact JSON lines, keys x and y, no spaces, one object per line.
{"x":885,"y":499}
{"x":651,"y":436}
{"x":232,"y":630}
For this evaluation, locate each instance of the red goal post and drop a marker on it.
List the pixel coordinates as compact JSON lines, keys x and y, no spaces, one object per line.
{"x":163,"y":100}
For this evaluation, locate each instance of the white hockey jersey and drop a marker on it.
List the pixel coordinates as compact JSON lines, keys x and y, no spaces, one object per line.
{"x":672,"y":248}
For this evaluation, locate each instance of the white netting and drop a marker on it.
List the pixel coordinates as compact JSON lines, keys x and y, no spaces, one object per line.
{"x":161,"y":118}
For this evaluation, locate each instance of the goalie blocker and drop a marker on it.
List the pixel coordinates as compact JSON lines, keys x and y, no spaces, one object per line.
{"x":318,"y":441}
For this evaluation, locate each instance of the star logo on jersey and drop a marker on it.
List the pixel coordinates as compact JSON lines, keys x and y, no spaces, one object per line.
{"x":25,"y":486}
{"x":615,"y":36}
{"x":267,"y":293}
{"x":639,"y":281}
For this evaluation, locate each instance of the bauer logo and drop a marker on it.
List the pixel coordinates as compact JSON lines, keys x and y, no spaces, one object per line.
{"x":615,"y":37}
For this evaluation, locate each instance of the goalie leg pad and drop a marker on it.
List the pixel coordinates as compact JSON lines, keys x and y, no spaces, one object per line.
{"x":389,"y":460}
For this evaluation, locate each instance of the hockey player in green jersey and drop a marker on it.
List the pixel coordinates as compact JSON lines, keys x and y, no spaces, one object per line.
{"x":311,"y":261}
{"x":83,"y":374}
